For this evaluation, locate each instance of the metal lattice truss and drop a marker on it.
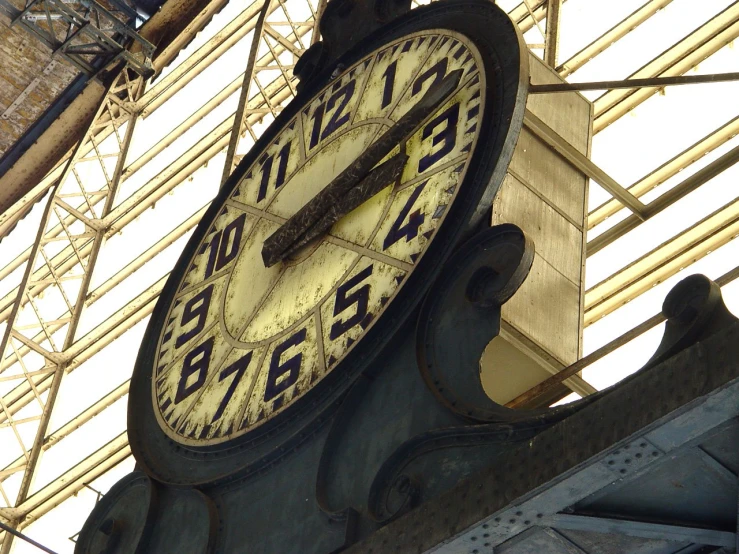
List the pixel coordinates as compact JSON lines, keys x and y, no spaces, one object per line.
{"x":90,"y":34}
{"x":163,"y":147}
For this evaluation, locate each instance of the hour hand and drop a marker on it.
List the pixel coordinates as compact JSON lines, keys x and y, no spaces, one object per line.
{"x":379,"y":178}
{"x":283,"y":239}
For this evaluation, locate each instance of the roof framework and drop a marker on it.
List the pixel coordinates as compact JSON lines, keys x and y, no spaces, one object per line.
{"x":80,"y":274}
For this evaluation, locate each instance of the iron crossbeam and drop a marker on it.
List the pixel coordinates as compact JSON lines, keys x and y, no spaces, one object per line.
{"x":658,"y":82}
{"x":641,"y":529}
{"x":91,"y":233}
{"x":583,"y":163}
{"x":676,"y":60}
{"x":666,"y":200}
{"x":669,"y":169}
{"x":245,"y":86}
{"x":81,"y":37}
{"x":650,"y":323}
{"x":608,"y":38}
{"x":26,"y":538}
{"x":661,"y":263}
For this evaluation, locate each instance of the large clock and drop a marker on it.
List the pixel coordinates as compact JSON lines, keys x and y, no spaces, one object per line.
{"x":267,"y":319}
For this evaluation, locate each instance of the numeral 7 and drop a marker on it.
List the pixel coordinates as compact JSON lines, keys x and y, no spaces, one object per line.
{"x":239,"y":368}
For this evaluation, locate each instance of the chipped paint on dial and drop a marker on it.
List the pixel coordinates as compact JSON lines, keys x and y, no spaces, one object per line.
{"x":243,"y":342}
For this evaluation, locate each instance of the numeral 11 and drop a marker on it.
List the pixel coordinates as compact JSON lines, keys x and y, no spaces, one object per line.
{"x":283,"y":156}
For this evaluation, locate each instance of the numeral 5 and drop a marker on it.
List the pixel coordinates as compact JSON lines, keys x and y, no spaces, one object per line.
{"x":344,"y":301}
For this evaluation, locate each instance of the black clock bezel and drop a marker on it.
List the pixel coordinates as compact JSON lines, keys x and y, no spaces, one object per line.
{"x":505,"y":62}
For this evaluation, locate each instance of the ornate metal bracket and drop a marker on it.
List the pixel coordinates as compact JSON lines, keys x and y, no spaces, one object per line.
{"x":343,"y":25}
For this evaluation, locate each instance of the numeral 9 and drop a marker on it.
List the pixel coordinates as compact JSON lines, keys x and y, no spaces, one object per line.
{"x":196,"y":308}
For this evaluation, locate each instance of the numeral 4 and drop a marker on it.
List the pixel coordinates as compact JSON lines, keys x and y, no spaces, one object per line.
{"x":408,"y":230}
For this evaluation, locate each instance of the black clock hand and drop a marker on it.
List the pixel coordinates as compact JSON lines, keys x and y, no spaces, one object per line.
{"x":282,"y":240}
{"x":379,"y":178}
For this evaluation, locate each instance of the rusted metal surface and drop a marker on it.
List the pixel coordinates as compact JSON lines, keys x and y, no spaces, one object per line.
{"x":29,"y":81}
{"x":170,"y":29}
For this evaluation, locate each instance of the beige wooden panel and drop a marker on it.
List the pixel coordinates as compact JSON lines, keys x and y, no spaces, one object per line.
{"x":567,"y":113}
{"x":555,"y":238}
{"x":546,"y":309}
{"x":506,"y":370}
{"x":550,"y":175}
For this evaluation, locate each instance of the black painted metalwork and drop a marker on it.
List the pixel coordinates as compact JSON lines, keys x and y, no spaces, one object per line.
{"x":89,"y":37}
{"x":344,"y":25}
{"x":271,"y":442}
{"x":400,"y":449}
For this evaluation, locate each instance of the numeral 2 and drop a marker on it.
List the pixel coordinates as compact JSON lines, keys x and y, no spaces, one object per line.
{"x":435,"y":72}
{"x":196,"y":362}
{"x":283,"y":375}
{"x":224,"y":246}
{"x":338,"y":118}
{"x":196,"y":308}
{"x":410,"y":229}
{"x":344,"y":301}
{"x":239,"y":368}
{"x":446,"y":136}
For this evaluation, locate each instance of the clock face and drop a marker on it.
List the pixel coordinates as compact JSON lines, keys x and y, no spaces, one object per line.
{"x":242,"y":342}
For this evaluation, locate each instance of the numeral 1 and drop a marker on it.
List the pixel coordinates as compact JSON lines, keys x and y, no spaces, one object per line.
{"x":224,"y":246}
{"x":283,"y":375}
{"x":389,"y":76}
{"x":344,"y":301}
{"x":410,"y":229}
{"x":283,"y":157}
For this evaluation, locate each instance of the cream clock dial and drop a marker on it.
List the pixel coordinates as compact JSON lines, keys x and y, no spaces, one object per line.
{"x":243,"y":342}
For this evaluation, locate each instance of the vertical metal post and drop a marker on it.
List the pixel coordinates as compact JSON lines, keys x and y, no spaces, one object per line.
{"x":244,"y":96}
{"x":551,"y":39}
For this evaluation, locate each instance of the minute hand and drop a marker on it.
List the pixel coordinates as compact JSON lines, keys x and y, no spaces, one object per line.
{"x":281,"y":240}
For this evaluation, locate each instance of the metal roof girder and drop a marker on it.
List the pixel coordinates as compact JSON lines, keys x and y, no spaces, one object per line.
{"x":676,"y":60}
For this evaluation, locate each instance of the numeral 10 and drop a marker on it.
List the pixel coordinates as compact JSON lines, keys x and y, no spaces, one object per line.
{"x":224,"y":246}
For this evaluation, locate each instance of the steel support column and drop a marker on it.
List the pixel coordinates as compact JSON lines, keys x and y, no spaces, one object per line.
{"x":85,"y":231}
{"x":551,"y":39}
{"x":245,"y":86}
